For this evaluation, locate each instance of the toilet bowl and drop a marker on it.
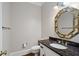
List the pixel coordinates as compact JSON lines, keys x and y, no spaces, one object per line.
{"x":35,"y":50}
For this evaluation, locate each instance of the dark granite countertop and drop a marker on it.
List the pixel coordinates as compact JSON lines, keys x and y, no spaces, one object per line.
{"x":70,"y":51}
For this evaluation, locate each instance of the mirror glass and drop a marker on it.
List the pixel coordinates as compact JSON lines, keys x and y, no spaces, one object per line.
{"x":65,"y":23}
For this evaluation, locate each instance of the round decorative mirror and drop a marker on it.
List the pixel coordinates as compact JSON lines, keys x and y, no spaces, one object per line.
{"x":67,"y":22}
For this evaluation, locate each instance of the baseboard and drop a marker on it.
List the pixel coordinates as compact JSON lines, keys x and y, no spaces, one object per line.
{"x":20,"y":53}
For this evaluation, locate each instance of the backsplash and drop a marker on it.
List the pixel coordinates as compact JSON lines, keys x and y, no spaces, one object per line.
{"x":68,"y":42}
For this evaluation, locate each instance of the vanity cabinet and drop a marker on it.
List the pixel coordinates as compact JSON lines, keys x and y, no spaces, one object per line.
{"x":45,"y":51}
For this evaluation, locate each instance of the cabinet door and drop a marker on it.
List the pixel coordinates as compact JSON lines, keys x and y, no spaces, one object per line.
{"x":45,"y":51}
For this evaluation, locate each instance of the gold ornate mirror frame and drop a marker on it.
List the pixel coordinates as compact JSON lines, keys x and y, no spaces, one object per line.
{"x":75,"y":27}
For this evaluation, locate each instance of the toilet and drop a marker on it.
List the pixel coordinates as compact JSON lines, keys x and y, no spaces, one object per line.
{"x":35,"y":50}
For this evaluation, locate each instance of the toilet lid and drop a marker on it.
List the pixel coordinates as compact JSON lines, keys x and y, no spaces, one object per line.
{"x":35,"y":47}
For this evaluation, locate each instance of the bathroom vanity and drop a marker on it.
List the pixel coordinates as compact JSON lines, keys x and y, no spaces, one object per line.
{"x":47,"y":50}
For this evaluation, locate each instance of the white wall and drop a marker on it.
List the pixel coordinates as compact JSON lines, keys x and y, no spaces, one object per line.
{"x":48,"y":14}
{"x":0,"y":26}
{"x":25,"y":24}
{"x":6,"y":23}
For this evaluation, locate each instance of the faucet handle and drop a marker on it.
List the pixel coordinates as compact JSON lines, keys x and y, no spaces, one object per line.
{"x":59,"y":41}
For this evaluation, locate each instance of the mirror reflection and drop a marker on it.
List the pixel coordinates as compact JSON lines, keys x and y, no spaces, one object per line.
{"x":65,"y":23}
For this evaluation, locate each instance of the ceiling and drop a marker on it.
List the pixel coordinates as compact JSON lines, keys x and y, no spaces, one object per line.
{"x":72,"y":4}
{"x":38,"y":3}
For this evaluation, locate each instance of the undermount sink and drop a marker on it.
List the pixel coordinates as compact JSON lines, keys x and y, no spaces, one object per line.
{"x":58,"y":46}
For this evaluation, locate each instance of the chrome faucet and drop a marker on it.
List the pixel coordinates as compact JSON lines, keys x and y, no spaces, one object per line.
{"x":62,"y":42}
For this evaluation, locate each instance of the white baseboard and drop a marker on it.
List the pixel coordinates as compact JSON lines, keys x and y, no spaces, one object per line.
{"x":20,"y":53}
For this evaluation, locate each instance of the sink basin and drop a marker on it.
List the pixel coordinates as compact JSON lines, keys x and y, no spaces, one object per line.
{"x":58,"y":46}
